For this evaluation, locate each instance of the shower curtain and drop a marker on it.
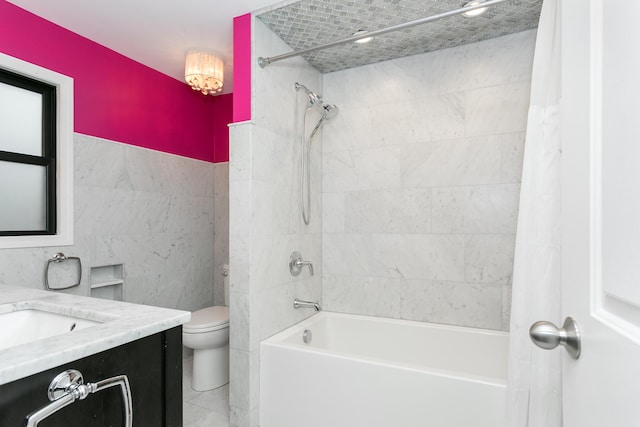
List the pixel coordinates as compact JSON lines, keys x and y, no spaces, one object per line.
{"x":534,"y":389}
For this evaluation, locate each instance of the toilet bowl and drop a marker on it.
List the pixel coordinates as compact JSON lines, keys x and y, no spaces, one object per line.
{"x":208,"y":335}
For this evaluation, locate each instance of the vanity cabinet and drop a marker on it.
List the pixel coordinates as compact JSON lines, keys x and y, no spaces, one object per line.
{"x":153,"y":366}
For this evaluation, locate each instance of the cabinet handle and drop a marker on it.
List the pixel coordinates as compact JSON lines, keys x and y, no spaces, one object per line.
{"x":68,"y":386}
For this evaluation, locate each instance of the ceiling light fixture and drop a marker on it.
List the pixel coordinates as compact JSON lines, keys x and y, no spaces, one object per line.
{"x":204,"y":72}
{"x":364,"y":40}
{"x":474,"y":12}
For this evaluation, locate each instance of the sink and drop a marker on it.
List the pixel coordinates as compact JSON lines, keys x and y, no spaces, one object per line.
{"x":28,"y":325}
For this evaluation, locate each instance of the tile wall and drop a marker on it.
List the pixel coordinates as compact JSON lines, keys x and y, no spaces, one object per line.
{"x":220,"y":228}
{"x":150,"y":211}
{"x":421,"y":172}
{"x":265,"y":222}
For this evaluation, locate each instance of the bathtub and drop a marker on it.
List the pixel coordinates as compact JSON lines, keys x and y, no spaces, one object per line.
{"x":360,"y":371}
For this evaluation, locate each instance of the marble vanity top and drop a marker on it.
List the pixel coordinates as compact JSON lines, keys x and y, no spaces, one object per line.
{"x":120,"y":323}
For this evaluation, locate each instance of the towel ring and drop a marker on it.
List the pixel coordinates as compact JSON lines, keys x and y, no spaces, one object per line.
{"x":58,"y":258}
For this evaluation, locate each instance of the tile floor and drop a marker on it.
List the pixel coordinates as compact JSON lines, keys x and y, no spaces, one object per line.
{"x":206,"y":409}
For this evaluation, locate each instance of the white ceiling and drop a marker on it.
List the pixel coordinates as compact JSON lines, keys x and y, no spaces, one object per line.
{"x":156,"y":33}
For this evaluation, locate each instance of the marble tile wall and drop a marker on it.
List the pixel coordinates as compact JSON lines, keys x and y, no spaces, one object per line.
{"x":265,"y":224}
{"x":421,"y":172}
{"x":150,"y":211}
{"x":220,"y":228}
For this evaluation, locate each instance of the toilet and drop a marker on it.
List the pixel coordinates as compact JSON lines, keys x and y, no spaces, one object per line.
{"x":208,"y":335}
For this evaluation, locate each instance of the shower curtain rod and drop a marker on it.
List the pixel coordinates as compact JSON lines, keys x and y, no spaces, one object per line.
{"x":263,"y":62}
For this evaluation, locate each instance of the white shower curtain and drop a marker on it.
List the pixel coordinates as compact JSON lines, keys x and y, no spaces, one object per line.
{"x":534,"y":390}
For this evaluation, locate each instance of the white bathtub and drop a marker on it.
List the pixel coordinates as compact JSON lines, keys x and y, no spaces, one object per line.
{"x":361,"y":371}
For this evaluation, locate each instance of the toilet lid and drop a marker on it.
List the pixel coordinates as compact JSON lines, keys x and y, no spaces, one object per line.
{"x":208,"y":317}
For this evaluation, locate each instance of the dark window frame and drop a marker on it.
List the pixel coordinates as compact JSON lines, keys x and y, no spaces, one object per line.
{"x":49,"y":143}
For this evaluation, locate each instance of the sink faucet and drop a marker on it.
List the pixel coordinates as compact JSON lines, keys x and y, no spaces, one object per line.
{"x":296,"y":263}
{"x":306,"y":304}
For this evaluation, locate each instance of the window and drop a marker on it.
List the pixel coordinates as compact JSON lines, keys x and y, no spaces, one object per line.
{"x":36,"y":163}
{"x":27,"y":156}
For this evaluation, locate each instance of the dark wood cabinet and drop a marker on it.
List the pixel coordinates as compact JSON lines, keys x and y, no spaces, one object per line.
{"x":153,"y":366}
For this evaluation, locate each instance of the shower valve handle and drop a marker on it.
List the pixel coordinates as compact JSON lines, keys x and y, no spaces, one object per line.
{"x":296,"y":263}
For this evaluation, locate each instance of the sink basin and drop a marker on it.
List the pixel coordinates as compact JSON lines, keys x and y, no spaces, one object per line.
{"x":24,"y":326}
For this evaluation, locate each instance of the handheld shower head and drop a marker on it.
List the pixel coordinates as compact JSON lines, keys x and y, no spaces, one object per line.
{"x":330,"y":111}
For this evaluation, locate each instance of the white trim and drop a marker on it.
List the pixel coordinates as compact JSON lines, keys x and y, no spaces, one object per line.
{"x":64,"y":155}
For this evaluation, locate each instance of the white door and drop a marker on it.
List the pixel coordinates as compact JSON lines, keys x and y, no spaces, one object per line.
{"x":601,"y":210}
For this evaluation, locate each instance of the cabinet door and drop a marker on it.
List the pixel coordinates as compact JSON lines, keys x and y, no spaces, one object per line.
{"x":153,"y":366}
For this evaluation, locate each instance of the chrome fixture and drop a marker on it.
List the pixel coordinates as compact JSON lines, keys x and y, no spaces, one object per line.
{"x":548,"y":336}
{"x":68,"y":387}
{"x":307,"y":336}
{"x":328,"y":111}
{"x":306,"y":304}
{"x":263,"y":62}
{"x":296,"y":263}
{"x":314,"y":98}
{"x":58,"y":258}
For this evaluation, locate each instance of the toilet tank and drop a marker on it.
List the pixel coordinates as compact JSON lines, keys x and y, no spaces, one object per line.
{"x":225,"y":274}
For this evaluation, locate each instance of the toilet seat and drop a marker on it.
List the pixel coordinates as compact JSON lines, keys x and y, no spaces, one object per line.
{"x":207,"y":320}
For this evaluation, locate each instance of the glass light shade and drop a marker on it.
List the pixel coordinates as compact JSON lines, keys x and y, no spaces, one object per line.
{"x":204,"y":72}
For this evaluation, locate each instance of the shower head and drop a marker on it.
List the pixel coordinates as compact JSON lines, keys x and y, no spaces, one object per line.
{"x":330,"y":111}
{"x":314,"y":98}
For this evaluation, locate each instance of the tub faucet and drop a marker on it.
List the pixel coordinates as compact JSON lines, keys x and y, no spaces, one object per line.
{"x":306,"y":304}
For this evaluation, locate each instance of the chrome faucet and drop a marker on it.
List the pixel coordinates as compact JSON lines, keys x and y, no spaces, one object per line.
{"x":296,"y":263}
{"x":306,"y":304}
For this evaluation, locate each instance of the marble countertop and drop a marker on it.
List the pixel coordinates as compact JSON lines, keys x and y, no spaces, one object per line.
{"x":123,"y":323}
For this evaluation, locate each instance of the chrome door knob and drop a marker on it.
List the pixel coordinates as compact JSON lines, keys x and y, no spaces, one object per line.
{"x":548,"y":336}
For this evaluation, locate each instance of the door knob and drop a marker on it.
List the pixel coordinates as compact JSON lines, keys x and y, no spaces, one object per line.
{"x":548,"y":336}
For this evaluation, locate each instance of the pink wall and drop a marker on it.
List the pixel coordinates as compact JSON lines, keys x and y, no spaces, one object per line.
{"x":242,"y":68}
{"x":223,"y":115}
{"x":117,"y":98}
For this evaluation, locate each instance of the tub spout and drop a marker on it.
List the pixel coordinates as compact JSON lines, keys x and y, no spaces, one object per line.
{"x":306,"y":304}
